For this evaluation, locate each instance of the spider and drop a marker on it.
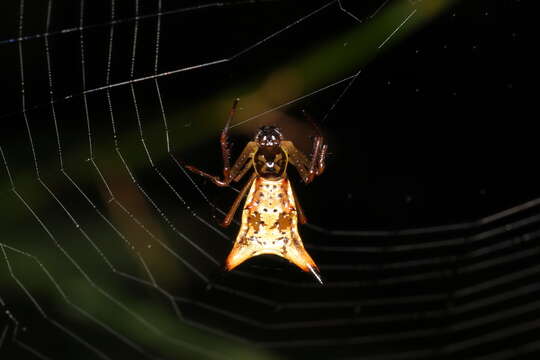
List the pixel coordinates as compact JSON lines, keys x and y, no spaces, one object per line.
{"x":271,"y":212}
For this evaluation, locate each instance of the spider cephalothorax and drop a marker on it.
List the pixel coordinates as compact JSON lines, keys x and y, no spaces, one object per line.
{"x":271,"y":213}
{"x":270,"y":160}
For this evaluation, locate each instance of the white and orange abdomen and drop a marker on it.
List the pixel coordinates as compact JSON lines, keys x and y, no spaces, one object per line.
{"x":270,"y":226}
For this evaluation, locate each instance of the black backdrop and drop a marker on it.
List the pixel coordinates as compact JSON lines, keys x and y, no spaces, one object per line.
{"x":436,"y":133}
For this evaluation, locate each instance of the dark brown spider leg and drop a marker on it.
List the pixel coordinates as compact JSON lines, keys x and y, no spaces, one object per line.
{"x":317,"y":147}
{"x":301,"y":216}
{"x":224,"y":141}
{"x":318,"y":156}
{"x":230,"y":214}
{"x":215,"y":179}
{"x":321,"y":165}
{"x":313,"y":123}
{"x":225,"y":152}
{"x":238,"y":170}
{"x":307,"y":169}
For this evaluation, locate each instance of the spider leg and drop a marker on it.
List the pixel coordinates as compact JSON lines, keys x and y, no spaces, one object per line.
{"x":224,"y":141}
{"x":215,"y":179}
{"x":321,"y":163}
{"x":308,"y":168}
{"x":242,"y":172}
{"x":298,"y":160}
{"x":301,"y":216}
{"x":319,"y":153}
{"x":230,"y":214}
{"x":315,"y":154}
{"x":240,"y":168}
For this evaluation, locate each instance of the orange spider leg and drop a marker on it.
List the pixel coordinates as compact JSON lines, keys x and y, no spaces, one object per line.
{"x":230,"y":214}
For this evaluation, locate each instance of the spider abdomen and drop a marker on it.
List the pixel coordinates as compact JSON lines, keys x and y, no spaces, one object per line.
{"x":270,"y":225}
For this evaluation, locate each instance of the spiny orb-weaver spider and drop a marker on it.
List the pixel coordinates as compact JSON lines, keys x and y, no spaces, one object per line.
{"x":271,"y":213}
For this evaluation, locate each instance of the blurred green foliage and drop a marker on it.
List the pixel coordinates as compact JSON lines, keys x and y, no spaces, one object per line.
{"x":346,"y":54}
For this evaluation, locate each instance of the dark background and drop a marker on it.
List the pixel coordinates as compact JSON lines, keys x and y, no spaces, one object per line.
{"x":435,"y":134}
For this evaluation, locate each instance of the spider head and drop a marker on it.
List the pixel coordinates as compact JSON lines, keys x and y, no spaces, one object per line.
{"x":269,"y":136}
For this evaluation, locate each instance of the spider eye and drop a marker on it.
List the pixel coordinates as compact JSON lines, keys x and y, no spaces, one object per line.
{"x":268,"y":135}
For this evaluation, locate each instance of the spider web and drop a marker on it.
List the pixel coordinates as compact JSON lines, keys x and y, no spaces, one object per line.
{"x":111,"y":249}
